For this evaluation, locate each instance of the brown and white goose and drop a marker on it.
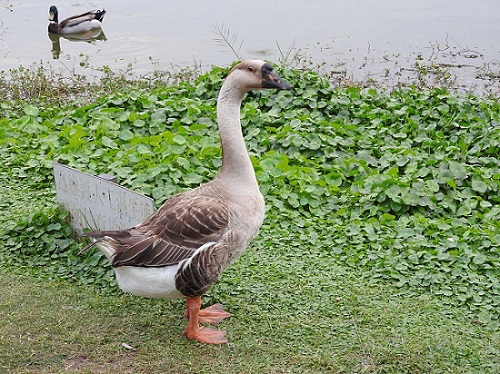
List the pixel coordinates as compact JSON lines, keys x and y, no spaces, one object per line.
{"x":182,"y":248}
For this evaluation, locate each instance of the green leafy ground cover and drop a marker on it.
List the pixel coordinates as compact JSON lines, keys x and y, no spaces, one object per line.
{"x":397,"y":188}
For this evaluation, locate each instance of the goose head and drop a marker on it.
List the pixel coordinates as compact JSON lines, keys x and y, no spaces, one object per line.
{"x":255,"y":75}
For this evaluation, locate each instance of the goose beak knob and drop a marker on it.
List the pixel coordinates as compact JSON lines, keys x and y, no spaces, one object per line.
{"x":271,"y":79}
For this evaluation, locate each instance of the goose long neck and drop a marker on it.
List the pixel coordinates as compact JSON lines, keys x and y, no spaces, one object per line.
{"x":236,"y":164}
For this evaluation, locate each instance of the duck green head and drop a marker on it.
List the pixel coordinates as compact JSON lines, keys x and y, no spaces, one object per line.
{"x":53,"y":13}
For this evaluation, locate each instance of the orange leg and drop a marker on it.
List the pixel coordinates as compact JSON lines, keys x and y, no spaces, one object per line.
{"x":196,"y":332}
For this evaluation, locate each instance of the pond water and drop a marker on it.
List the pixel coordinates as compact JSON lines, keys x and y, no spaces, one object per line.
{"x":358,"y":39}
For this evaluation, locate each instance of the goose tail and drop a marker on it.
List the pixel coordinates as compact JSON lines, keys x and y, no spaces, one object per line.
{"x":97,"y":236}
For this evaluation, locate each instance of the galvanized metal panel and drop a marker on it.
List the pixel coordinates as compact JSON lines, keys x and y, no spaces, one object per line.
{"x":97,"y":203}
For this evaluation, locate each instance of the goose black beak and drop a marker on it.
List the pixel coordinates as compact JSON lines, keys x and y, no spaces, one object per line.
{"x":271,"y":79}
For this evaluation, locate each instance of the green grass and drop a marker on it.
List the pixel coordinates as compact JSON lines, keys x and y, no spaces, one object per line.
{"x":331,"y":322}
{"x":379,"y":252}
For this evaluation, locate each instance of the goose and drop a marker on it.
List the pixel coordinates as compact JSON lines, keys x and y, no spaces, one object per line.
{"x":77,"y":24}
{"x":181,"y":249}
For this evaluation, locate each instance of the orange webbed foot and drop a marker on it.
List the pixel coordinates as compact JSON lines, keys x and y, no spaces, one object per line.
{"x":206,"y":335}
{"x":213,"y":314}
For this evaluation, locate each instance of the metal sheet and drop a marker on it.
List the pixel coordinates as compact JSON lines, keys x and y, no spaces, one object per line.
{"x":97,"y":203}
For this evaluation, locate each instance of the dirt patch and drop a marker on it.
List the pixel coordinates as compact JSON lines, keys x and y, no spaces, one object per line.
{"x":122,"y":364}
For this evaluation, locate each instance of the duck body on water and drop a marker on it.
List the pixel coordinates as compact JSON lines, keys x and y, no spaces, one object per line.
{"x":78,"y":24}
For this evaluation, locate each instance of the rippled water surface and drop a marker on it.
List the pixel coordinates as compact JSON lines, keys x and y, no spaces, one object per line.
{"x":357,"y":39}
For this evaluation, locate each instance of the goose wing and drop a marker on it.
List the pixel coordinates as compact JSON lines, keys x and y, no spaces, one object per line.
{"x":171,"y":234}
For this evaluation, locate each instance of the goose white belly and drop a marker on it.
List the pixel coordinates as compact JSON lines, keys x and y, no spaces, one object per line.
{"x":148,"y":282}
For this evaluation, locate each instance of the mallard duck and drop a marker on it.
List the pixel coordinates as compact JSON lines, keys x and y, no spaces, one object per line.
{"x":182,"y":248}
{"x":76,"y":24}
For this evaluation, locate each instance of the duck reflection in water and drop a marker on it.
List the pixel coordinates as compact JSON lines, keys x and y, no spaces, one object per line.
{"x":90,"y":36}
